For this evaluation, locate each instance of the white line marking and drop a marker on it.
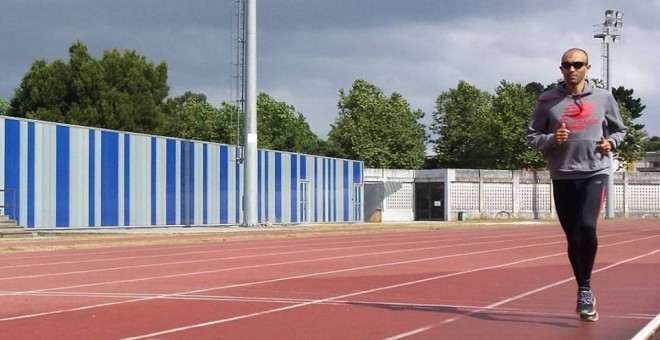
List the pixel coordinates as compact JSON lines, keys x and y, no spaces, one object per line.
{"x":282,"y":300}
{"x":258,"y":282}
{"x":245,"y":267}
{"x":649,"y":330}
{"x":307,"y":275}
{"x":241,"y":246}
{"x":245,"y":316}
{"x":362,"y":246}
{"x":314,"y":302}
{"x":234,"y":247}
{"x":517,"y":297}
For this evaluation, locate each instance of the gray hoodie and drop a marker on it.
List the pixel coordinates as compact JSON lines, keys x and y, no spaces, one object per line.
{"x":588,"y":115}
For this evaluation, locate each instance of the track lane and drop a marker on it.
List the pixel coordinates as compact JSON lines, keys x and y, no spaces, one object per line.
{"x":282,"y":288}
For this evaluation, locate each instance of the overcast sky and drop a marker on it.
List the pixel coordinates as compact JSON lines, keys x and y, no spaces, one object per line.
{"x":309,"y":49}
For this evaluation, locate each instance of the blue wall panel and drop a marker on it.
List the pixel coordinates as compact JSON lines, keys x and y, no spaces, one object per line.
{"x":266,"y":191}
{"x":126,"y":180}
{"x":62,"y":174}
{"x":294,"y":188}
{"x":110,"y":179}
{"x":30,"y":178}
{"x":91,"y":179}
{"x":237,"y":192}
{"x":345,"y":190}
{"x":315,"y":188}
{"x":12,"y":168}
{"x":278,"y":187}
{"x":154,"y":181}
{"x":57,"y":175}
{"x":224,"y":184}
{"x":184,"y":193}
{"x":171,"y":183}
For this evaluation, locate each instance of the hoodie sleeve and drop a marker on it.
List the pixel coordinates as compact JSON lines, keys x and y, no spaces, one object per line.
{"x":539,"y":134}
{"x":615,"y":129}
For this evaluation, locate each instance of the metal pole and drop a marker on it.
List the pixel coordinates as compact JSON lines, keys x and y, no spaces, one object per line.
{"x":609,"y":32}
{"x":611,"y":199}
{"x":608,"y":80}
{"x":250,"y":151}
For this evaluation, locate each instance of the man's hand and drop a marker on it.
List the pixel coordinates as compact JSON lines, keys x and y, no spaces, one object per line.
{"x":562,"y":134}
{"x":604,"y":146}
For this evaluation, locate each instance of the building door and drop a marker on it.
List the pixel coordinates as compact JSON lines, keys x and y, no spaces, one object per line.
{"x":430,"y":201}
{"x":357,"y":202}
{"x":304,"y":202}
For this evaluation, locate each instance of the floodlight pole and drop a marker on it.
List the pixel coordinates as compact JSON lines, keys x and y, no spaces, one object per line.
{"x":250,"y":138}
{"x":609,"y":33}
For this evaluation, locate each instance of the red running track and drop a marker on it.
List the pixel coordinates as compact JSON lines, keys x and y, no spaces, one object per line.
{"x":503,"y":282}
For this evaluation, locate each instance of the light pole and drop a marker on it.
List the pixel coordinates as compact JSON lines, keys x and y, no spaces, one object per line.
{"x":250,"y":143}
{"x":609,"y":33}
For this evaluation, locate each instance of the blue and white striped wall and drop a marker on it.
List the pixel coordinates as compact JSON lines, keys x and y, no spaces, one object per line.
{"x":56,"y":175}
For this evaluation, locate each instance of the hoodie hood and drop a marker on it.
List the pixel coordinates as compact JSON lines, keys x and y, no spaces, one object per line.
{"x":589,"y":87}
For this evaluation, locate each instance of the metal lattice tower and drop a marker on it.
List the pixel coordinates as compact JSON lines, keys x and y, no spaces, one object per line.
{"x":609,"y":33}
{"x":604,"y":56}
{"x":238,"y":57}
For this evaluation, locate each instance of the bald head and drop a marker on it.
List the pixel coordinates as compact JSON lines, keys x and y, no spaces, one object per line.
{"x":574,"y":52}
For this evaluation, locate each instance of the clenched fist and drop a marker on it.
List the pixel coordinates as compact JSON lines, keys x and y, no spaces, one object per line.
{"x":562,"y":134}
{"x":604,"y":146}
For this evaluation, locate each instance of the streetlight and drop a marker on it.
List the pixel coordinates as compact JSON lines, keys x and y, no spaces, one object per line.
{"x":609,"y":33}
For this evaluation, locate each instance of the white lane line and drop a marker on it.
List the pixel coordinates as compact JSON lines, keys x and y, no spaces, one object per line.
{"x":514,"y":298}
{"x":248,"y":267}
{"x":253,"y":266}
{"x":301,"y":276}
{"x":256,"y":314}
{"x":314,"y":302}
{"x":554,"y":235}
{"x":381,"y":265}
{"x":139,"y":250}
{"x":361,"y":244}
{"x":236,"y":246}
{"x":649,"y":330}
{"x":382,"y":304}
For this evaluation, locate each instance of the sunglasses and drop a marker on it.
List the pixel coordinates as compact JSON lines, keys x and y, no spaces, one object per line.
{"x":576,"y":65}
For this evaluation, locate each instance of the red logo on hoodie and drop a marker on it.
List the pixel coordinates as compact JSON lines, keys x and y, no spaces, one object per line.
{"x":578,"y":116}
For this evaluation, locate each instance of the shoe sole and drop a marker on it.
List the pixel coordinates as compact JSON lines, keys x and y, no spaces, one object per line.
{"x":589,"y":317}
{"x":586,"y":315}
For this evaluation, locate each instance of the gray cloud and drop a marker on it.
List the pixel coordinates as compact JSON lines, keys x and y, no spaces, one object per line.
{"x":308,"y":49}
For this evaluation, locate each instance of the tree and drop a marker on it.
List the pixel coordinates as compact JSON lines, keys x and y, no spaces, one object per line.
{"x":4,"y":107}
{"x":652,"y":144}
{"x":506,"y":128}
{"x":121,"y":91}
{"x":632,"y":146}
{"x":634,"y":105}
{"x":192,"y":117}
{"x":280,"y":127}
{"x":459,"y":121}
{"x":380,"y":131}
{"x":478,"y":130}
{"x":43,"y":93}
{"x":535,"y":88}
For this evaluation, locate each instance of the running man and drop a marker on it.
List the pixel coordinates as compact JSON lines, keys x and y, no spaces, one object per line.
{"x":577,"y":125}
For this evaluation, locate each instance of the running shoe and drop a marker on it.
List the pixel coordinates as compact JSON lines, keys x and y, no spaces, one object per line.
{"x":586,"y":305}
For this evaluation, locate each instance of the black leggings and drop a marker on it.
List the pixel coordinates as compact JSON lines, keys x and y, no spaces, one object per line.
{"x":578,"y":204}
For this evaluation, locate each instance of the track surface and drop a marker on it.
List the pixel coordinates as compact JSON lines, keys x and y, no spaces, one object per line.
{"x":495,"y":282}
